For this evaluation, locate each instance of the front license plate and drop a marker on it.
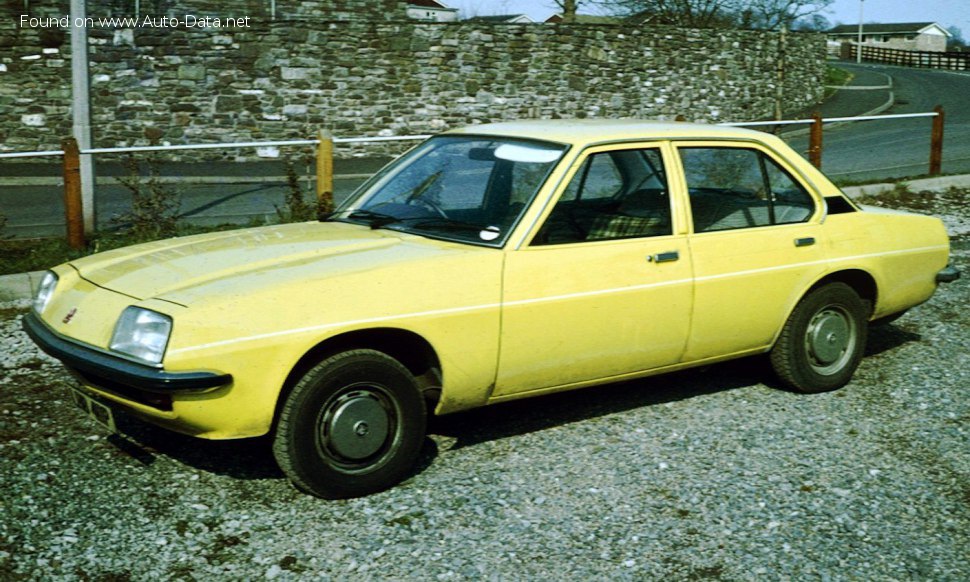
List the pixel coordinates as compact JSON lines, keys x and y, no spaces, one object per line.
{"x":98,"y":412}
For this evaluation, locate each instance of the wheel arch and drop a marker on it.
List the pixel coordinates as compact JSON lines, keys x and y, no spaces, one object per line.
{"x":862,"y":282}
{"x":413,"y":351}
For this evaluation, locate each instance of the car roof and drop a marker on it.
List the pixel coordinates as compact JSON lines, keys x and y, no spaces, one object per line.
{"x":588,"y":131}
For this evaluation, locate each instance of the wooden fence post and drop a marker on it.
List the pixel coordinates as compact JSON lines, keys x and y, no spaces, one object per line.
{"x":325,"y":173}
{"x":936,"y":143}
{"x":815,"y":141}
{"x":72,"y":193}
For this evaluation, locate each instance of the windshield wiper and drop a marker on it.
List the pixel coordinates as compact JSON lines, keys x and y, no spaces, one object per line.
{"x":375,"y":219}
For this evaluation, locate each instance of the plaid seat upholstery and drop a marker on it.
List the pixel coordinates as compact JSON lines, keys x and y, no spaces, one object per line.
{"x":609,"y":226}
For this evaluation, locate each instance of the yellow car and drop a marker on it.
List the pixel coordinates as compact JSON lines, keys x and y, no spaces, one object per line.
{"x":487,"y":264}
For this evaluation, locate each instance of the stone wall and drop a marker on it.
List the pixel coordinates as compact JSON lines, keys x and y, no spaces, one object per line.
{"x":287,"y":79}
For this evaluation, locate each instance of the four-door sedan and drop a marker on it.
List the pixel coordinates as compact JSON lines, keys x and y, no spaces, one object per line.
{"x":487,"y":264}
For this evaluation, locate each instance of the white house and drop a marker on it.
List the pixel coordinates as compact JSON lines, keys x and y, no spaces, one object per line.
{"x":431,"y":11}
{"x":910,"y":36}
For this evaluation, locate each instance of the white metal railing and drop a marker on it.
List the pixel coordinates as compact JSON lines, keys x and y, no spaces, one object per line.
{"x":766,"y":123}
{"x":348,"y":140}
{"x":828,"y":119}
{"x":42,"y":154}
{"x":210,"y":146}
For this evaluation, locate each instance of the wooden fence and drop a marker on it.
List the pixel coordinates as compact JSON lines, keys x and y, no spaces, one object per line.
{"x":953,"y":61}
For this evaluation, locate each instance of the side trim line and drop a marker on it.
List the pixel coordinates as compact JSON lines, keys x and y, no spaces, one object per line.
{"x":832,"y":262}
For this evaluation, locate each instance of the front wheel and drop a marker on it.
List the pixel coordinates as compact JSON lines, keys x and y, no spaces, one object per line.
{"x":353,"y":425}
{"x":823,"y":340}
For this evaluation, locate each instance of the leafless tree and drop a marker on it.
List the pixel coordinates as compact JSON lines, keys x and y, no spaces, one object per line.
{"x":693,"y":13}
{"x":766,"y":14}
{"x":812,"y":23}
{"x":775,"y":14}
{"x":569,"y":7}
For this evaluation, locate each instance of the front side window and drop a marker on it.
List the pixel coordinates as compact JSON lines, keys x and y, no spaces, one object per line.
{"x":462,"y":188}
{"x":733,"y":188}
{"x":614,"y":195}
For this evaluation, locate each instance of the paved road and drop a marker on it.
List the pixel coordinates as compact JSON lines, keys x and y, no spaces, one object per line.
{"x":876,"y":150}
{"x":37,"y":211}
{"x":243,"y":192}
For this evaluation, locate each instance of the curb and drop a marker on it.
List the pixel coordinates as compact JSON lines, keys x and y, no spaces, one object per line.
{"x":928,"y":184}
{"x":19,"y":286}
{"x":890,"y":101}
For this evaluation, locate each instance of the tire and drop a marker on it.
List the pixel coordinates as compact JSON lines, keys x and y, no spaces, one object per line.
{"x":823,"y":340}
{"x":352,"y":425}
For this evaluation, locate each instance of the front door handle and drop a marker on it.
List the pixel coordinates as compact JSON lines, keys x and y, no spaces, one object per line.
{"x":664,"y":257}
{"x":805,"y":242}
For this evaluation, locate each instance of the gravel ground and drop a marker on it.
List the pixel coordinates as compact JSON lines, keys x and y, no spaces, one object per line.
{"x":715,"y":474}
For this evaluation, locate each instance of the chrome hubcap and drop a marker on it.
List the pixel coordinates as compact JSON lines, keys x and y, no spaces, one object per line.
{"x":829,"y":339}
{"x":356,"y":425}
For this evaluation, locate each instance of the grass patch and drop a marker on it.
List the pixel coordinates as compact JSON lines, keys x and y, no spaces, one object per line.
{"x":21,"y":256}
{"x":835,"y":77}
{"x":900,"y":196}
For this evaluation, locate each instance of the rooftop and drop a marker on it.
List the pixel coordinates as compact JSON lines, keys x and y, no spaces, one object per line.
{"x":589,"y":131}
{"x":429,"y":4}
{"x":879,"y":28}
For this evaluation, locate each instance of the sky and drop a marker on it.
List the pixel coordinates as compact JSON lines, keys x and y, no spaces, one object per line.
{"x":946,"y":12}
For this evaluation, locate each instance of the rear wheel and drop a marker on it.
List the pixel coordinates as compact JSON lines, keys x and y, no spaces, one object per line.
{"x":353,"y":425}
{"x":823,"y":340}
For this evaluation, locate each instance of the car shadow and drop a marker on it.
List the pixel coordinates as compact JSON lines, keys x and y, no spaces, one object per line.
{"x":521,"y":417}
{"x":252,"y":458}
{"x":883,"y":338}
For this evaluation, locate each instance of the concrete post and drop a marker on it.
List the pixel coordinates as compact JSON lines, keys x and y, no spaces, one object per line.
{"x":81,"y":109}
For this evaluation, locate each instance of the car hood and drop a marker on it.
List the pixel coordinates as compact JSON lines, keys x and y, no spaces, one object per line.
{"x":181,"y":269}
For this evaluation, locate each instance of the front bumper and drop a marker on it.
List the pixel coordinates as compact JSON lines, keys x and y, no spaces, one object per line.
{"x":948,"y":275}
{"x":115,"y":370}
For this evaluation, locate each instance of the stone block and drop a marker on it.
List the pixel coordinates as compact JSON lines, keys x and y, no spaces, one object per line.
{"x":191,"y":72}
{"x":34,"y":119}
{"x":228,"y":103}
{"x":294,"y":73}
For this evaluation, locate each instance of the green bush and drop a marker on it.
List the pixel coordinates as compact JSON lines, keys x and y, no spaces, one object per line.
{"x":295,"y":208}
{"x":155,"y":206}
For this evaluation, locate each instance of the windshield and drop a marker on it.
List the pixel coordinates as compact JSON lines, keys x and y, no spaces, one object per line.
{"x":464,"y":188}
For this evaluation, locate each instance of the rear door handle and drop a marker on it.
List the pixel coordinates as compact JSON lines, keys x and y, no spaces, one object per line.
{"x":664,"y":257}
{"x":805,"y":242}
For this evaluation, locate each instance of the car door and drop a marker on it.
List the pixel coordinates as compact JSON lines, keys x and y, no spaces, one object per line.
{"x":754,"y":243}
{"x":603,"y":287}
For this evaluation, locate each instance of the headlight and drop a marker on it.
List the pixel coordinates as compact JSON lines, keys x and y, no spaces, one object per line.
{"x":44,"y":292}
{"x":142,"y":334}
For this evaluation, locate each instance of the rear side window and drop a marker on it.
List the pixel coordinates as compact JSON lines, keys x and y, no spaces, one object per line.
{"x":733,"y":188}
